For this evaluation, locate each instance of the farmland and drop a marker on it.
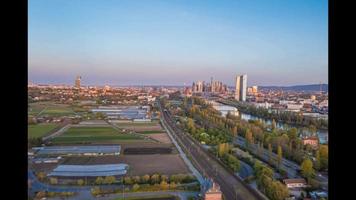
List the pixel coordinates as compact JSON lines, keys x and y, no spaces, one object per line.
{"x":80,"y":135}
{"x":50,"y":109}
{"x":139,"y":164}
{"x":150,"y":132}
{"x":39,"y":130}
{"x":160,"y":137}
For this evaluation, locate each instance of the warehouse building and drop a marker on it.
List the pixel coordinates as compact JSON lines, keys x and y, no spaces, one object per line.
{"x":123,"y":112}
{"x":89,"y":170}
{"x":79,"y":150}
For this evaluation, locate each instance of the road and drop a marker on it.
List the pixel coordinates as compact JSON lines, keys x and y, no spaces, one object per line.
{"x":231,"y":185}
{"x":65,"y":126}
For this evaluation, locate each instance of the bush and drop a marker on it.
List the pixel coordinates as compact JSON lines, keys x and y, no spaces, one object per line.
{"x":109,"y":180}
{"x":145,"y":178}
{"x":155,"y":178}
{"x":128,"y":181}
{"x":99,"y":181}
{"x":53,"y":181}
{"x":80,"y":182}
{"x":135,"y":187}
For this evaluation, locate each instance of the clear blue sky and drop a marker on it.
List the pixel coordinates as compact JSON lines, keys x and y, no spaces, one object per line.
{"x":274,"y":42}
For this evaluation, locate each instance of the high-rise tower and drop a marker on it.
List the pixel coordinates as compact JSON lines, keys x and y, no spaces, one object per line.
{"x":77,"y":82}
{"x":241,"y":87}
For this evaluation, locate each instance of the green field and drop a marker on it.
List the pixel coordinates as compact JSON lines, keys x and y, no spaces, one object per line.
{"x":39,"y":130}
{"x":93,"y":135}
{"x":58,"y":111}
{"x":35,"y":108}
{"x":50,"y":109}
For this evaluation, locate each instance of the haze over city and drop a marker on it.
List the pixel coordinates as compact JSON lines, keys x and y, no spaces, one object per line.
{"x":173,"y":42}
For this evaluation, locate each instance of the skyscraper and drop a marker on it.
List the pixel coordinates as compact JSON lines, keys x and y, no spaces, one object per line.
{"x":77,"y":82}
{"x":255,"y":89}
{"x":241,"y":87}
{"x":199,"y":86}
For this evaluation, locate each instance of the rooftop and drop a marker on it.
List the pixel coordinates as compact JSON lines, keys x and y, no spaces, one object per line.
{"x":78,"y":149}
{"x":90,"y":170}
{"x":294,"y":180}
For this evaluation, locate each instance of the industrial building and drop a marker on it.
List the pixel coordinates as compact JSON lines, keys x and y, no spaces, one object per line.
{"x":124,"y":112}
{"x":89,"y":170}
{"x":78,"y":150}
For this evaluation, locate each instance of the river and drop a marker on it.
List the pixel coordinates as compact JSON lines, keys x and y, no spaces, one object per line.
{"x":224,"y":109}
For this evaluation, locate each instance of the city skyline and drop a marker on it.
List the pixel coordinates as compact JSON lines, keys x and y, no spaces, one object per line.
{"x":171,"y":43}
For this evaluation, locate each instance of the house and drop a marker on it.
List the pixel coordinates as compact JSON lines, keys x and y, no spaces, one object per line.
{"x":295,"y":183}
{"x":214,"y":193}
{"x":307,"y":107}
{"x":313,"y":141}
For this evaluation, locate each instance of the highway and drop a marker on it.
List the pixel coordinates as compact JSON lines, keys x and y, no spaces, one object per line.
{"x":231,"y":185}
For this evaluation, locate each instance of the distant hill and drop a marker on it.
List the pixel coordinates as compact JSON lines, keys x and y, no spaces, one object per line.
{"x":310,"y":88}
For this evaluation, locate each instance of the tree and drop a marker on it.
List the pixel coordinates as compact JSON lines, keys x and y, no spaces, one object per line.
{"x":109,"y":180}
{"x":234,"y":131}
{"x":127,"y":181}
{"x":223,"y":148}
{"x":191,"y":126}
{"x":95,"y":191}
{"x":270,"y":153}
{"x":233,"y":162}
{"x":80,"y":182}
{"x":155,"y":178}
{"x":99,"y":180}
{"x":279,"y":191}
{"x":41,"y":176}
{"x":307,"y":168}
{"x":53,"y":181}
{"x":164,"y":185}
{"x":324,"y":156}
{"x":164,"y":178}
{"x":292,"y":133}
{"x":145,"y":178}
{"x":280,"y":156}
{"x":248,"y":137}
{"x":99,"y":115}
{"x":317,"y":160}
{"x":135,"y":187}
{"x":312,"y":130}
{"x":273,"y":125}
{"x":136,"y":179}
{"x":172,"y":186}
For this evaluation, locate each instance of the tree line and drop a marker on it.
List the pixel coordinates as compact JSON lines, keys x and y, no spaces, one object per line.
{"x":285,"y":116}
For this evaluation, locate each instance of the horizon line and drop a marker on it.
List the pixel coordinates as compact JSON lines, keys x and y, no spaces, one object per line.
{"x":171,"y":85}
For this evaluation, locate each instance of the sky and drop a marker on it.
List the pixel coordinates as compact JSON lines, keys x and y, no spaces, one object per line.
{"x":176,"y":42}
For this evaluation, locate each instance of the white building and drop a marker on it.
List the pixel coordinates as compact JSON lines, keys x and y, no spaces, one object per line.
{"x":263,"y":105}
{"x":295,"y":183}
{"x":294,"y":107}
